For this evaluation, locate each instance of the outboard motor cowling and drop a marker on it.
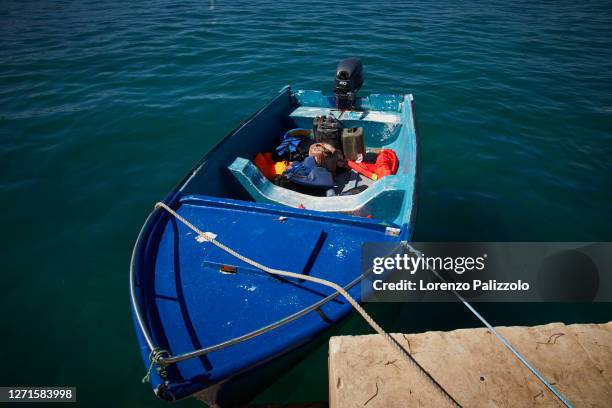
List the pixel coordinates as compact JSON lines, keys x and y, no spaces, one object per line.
{"x":349,"y":78}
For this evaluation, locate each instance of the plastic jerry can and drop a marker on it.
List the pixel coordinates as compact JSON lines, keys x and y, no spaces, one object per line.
{"x":327,"y":129}
{"x":353,"y":144}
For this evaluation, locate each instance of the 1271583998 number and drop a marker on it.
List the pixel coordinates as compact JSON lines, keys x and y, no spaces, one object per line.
{"x":14,"y":394}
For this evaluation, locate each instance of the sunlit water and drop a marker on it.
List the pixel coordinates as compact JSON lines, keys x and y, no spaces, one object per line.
{"x":105,"y":105}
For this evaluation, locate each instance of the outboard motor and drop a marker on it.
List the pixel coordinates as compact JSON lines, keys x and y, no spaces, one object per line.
{"x":349,"y":78}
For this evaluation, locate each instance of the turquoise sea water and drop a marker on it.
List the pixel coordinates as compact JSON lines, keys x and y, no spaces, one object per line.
{"x":105,"y":105}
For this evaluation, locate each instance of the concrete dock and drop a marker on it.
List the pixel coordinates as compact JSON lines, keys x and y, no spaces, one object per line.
{"x":475,"y":368}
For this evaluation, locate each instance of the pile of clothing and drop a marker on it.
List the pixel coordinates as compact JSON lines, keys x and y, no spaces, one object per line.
{"x":304,"y":160}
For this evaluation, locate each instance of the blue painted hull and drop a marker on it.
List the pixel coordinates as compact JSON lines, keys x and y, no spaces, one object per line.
{"x":183,"y":302}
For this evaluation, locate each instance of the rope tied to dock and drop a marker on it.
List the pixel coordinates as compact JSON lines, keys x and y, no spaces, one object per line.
{"x":392,"y":342}
{"x":501,"y":338}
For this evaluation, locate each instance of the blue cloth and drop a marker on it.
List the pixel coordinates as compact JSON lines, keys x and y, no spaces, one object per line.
{"x":290,"y":142}
{"x":288,"y":145}
{"x":302,"y":168}
{"x":309,"y":174}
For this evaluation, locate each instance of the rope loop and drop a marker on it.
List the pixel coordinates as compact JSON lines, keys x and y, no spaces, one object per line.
{"x":156,"y":357}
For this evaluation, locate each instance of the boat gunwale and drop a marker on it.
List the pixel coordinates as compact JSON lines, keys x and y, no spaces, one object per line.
{"x":417,"y":170}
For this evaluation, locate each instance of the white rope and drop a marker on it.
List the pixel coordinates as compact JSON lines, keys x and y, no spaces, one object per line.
{"x":324,"y":282}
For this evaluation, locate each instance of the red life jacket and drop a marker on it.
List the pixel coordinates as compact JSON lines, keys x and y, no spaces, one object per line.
{"x":268,"y":167}
{"x":386,"y":164}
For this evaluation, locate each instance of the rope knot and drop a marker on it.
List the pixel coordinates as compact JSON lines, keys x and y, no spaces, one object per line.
{"x":156,"y":357}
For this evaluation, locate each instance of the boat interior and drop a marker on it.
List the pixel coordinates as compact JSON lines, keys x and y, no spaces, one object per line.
{"x":228,"y":171}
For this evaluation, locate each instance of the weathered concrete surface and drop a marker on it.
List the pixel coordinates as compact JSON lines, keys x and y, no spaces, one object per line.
{"x":305,"y":405}
{"x":475,"y":368}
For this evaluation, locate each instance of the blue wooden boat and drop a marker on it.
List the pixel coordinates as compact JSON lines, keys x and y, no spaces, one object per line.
{"x":213,"y":326}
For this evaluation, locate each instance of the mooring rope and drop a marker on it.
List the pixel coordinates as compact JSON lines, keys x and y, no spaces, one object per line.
{"x":155,"y":357}
{"x":394,"y":343}
{"x":501,"y":338}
